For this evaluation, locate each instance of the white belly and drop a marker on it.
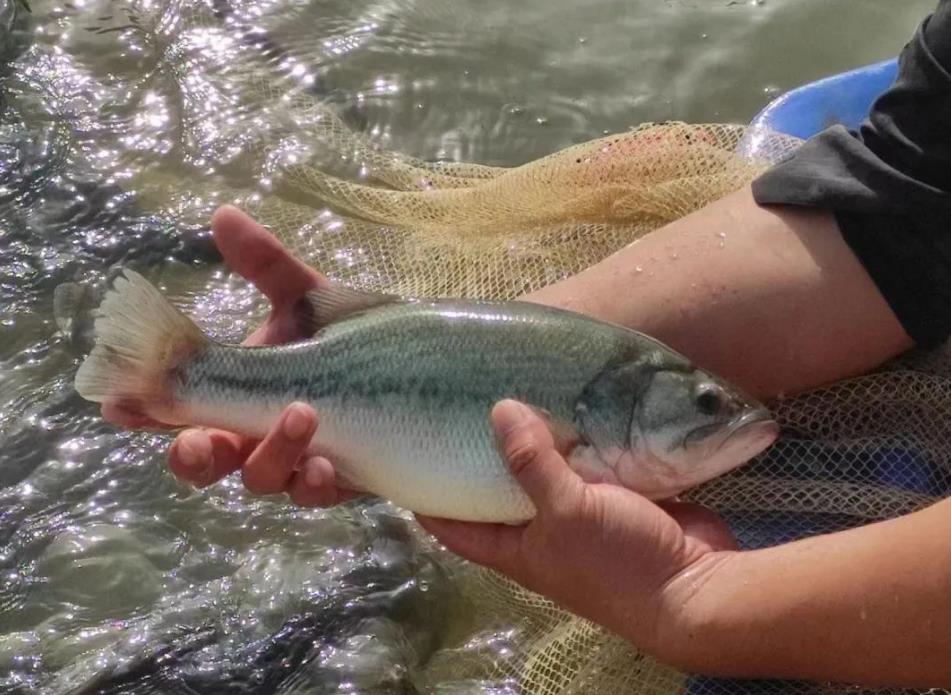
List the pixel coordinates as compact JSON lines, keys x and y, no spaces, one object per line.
{"x":431,"y":463}
{"x":435,"y":463}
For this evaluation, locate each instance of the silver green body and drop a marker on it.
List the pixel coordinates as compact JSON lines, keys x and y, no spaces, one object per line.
{"x":404,"y":394}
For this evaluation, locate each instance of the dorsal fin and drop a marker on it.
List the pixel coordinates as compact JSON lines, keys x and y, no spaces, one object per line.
{"x":336,"y":302}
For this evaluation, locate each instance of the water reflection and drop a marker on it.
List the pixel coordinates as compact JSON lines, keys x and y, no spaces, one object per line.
{"x":123,"y":125}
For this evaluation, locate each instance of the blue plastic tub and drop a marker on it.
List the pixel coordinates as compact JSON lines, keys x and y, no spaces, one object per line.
{"x":841,"y":99}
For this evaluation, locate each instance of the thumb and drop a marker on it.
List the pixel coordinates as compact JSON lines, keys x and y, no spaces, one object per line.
{"x":529,"y":449}
{"x":254,"y":253}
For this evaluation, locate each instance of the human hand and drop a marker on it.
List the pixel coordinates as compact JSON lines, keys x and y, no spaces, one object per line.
{"x":276,"y":463}
{"x":599,"y":550}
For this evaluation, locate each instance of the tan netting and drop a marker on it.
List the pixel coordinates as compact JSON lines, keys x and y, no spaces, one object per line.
{"x":867,"y":449}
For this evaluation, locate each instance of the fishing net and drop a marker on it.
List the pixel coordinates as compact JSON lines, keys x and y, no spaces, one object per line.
{"x":855,"y":452}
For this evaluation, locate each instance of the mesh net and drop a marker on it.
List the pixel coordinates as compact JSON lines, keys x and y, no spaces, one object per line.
{"x":853,"y":452}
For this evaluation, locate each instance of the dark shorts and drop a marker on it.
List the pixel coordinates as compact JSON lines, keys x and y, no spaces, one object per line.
{"x":889,"y":184}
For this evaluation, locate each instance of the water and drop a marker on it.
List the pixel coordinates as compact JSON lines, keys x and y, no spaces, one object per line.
{"x":112,"y":574}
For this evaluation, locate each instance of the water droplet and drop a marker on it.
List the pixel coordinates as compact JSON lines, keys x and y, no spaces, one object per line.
{"x":722,"y":235}
{"x":541,"y":120}
{"x":582,"y":39}
{"x":703,"y":36}
{"x":674,"y":256}
{"x":638,"y":269}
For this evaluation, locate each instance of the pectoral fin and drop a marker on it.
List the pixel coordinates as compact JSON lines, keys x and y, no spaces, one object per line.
{"x":582,"y":457}
{"x":565,"y":434}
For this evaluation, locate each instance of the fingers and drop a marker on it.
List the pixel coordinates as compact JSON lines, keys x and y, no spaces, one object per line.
{"x":314,"y":485}
{"x":492,"y":545}
{"x":271,"y":465}
{"x":129,"y":418}
{"x":253,"y":252}
{"x":203,"y":457}
{"x":702,"y":525}
{"x":529,"y":448}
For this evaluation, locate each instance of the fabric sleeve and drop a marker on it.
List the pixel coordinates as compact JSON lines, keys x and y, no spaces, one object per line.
{"x":889,"y":184}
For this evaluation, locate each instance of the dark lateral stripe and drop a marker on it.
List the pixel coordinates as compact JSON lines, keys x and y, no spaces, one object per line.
{"x":319,"y":387}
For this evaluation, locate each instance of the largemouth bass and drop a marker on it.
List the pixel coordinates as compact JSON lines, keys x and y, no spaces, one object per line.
{"x":404,"y":389}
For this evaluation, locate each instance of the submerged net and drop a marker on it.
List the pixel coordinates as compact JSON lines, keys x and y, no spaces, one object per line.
{"x":866,"y":449}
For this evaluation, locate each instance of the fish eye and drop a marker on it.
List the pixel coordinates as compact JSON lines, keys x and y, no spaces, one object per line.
{"x":708,"y":400}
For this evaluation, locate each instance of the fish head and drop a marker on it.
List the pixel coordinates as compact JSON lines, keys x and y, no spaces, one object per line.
{"x":689,"y":427}
{"x":663,"y":429}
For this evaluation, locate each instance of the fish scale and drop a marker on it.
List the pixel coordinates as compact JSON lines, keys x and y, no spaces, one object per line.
{"x":404,"y":390}
{"x":405,"y":382}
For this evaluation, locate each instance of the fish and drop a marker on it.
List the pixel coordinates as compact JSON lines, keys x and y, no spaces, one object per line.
{"x":404,"y":388}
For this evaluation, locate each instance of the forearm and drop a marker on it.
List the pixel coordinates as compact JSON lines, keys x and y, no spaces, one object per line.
{"x":772,"y":299}
{"x":869,"y":606}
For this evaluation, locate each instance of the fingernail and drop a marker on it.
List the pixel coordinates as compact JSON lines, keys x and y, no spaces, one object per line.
{"x":313,"y":471}
{"x":192,"y":453}
{"x":511,"y":415}
{"x":296,"y":423}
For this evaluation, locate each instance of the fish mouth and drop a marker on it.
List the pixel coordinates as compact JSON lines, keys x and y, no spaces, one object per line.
{"x":758,"y":419}
{"x":733,"y":446}
{"x":754,"y":417}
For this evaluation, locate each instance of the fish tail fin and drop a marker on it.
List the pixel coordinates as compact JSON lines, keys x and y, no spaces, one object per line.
{"x":140,"y":340}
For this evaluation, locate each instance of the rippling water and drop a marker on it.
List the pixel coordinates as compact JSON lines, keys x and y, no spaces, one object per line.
{"x":112,"y":575}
